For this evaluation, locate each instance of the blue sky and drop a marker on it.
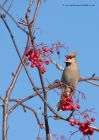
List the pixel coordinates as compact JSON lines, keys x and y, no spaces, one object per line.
{"x":78,"y":29}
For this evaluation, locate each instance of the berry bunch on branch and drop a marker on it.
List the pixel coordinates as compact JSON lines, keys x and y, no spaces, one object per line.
{"x":39,"y":57}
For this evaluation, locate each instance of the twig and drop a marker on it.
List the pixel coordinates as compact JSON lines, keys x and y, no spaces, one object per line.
{"x":27,"y":16}
{"x":4,"y":3}
{"x":73,"y":134}
{"x":10,"y":6}
{"x":35,"y":113}
{"x":57,"y":65}
{"x":11,"y":17}
{"x":71,"y":114}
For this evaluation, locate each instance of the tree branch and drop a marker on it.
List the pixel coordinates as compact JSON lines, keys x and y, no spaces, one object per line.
{"x":45,"y":106}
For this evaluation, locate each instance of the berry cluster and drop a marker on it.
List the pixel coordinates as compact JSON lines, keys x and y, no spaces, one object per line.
{"x":84,"y":127}
{"x":66,"y":103}
{"x":39,"y":58}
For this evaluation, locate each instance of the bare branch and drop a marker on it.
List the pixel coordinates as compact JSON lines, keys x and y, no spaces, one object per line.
{"x":45,"y":107}
{"x":90,"y":82}
{"x":31,"y":24}
{"x":57,"y":65}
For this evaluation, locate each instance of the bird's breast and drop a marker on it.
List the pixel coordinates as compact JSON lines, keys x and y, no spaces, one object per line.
{"x":70,"y":76}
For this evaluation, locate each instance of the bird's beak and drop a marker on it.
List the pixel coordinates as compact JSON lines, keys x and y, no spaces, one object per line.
{"x":68,"y":60}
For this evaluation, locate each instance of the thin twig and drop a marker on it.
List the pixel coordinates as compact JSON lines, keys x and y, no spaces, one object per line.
{"x":12,"y":18}
{"x":35,"y":113}
{"x":4,"y":3}
{"x":57,"y":65}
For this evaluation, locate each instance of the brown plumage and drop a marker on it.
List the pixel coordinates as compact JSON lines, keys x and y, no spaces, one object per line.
{"x":70,"y":75}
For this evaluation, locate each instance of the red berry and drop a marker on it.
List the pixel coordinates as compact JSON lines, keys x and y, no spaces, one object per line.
{"x":63,"y":107}
{"x":30,"y":58}
{"x":83,"y":125}
{"x":78,"y":106}
{"x":43,"y":69}
{"x":85,"y":115}
{"x":91,"y":131}
{"x":73,"y":107}
{"x":36,"y":53}
{"x":34,"y":58}
{"x":76,"y":122}
{"x":81,"y":129}
{"x":40,"y":60}
{"x":26,"y":53}
{"x":37,"y":65}
{"x":30,"y":51}
{"x":92,"y":119}
{"x":85,"y":132}
{"x":51,"y":50}
{"x":46,"y":62}
{"x":69,"y":99}
{"x":35,"y":62}
{"x":66,"y":107}
{"x":72,"y":123}
{"x":45,"y":49}
{"x":32,"y":65}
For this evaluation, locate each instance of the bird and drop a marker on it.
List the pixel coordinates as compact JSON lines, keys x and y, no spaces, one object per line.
{"x":70,"y":75}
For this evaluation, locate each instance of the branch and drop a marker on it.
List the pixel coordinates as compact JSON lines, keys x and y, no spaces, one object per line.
{"x":52,"y":110}
{"x":90,"y":82}
{"x":31,"y":24}
{"x":35,"y":14}
{"x":45,"y":106}
{"x":50,"y":87}
{"x":27,"y":16}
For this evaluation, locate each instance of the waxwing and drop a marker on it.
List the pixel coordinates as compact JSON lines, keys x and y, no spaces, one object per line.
{"x":70,"y":75}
